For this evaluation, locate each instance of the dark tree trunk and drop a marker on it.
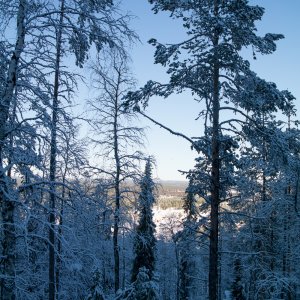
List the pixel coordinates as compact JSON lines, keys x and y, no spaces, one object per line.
{"x":53,"y":152}
{"x":8,"y":290}
{"x":115,"y":241}
{"x":215,"y":177}
{"x":59,"y":244}
{"x":117,"y":192}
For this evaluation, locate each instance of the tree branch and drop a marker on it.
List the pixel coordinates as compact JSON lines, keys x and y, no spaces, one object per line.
{"x":170,"y":130}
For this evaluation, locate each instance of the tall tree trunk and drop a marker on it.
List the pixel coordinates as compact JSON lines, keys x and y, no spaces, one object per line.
{"x":12,"y":119}
{"x":53,"y":152}
{"x":215,"y":175}
{"x":8,"y":290}
{"x":117,"y":195}
{"x":115,"y":239}
{"x":177,"y":269}
{"x":123,"y":261}
{"x":287,"y":292}
{"x":59,"y":244}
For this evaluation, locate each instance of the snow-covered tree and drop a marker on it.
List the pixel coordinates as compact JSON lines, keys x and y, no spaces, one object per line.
{"x":82,"y":26}
{"x":46,"y":33}
{"x":117,"y":138}
{"x":144,"y":241}
{"x":187,"y":245}
{"x":7,"y":200}
{"x":209,"y":64}
{"x":237,"y":286}
{"x":143,"y":288}
{"x":265,"y":168}
{"x":96,"y":292}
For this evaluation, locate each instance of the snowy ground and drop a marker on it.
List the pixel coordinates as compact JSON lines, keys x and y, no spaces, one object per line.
{"x":168,"y":221}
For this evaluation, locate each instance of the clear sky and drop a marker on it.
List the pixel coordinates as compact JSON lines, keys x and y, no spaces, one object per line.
{"x":179,"y":111}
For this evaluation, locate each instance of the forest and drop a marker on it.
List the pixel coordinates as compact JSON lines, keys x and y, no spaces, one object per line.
{"x":83,"y":215}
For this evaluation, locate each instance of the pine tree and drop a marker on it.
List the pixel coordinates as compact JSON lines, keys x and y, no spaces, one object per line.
{"x":144,"y":242}
{"x":210,"y":65}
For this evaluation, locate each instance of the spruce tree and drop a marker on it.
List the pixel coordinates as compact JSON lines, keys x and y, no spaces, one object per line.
{"x":96,"y":291}
{"x":187,"y":248}
{"x":237,"y":287}
{"x":142,"y":289}
{"x":144,"y":242}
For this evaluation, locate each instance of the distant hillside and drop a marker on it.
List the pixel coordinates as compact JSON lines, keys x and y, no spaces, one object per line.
{"x":170,"y":194}
{"x":172,"y":188}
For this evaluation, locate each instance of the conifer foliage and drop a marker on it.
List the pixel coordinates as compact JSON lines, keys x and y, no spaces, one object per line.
{"x":142,"y":289}
{"x":187,"y":245}
{"x":237,"y":288}
{"x":144,"y":243}
{"x":67,"y":220}
{"x":209,"y":64}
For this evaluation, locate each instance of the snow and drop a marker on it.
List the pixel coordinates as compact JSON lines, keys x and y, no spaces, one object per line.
{"x":168,"y":221}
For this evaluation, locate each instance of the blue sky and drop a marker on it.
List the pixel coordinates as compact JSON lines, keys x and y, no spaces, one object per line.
{"x":179,"y":111}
